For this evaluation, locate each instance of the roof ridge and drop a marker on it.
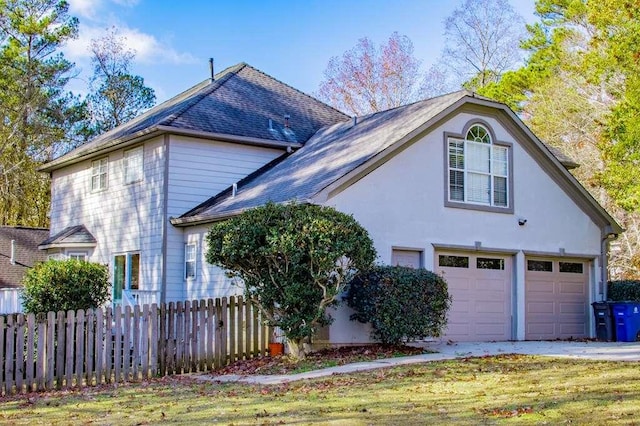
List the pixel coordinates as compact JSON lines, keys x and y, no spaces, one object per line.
{"x":219,"y":79}
{"x":465,"y":91}
{"x":297,"y":90}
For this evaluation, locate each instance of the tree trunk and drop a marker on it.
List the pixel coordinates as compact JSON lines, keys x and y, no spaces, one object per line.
{"x":298,"y":348}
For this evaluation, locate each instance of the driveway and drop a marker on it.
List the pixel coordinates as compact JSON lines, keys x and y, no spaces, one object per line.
{"x":604,"y":351}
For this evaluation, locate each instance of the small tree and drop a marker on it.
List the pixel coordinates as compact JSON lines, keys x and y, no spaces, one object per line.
{"x":62,"y":285}
{"x":294,"y":260}
{"x":401,"y":303}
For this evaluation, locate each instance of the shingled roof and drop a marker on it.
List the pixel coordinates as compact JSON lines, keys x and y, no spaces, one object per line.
{"x":330,"y":154}
{"x":72,"y":236}
{"x":26,"y":253}
{"x":339,"y":150}
{"x":240,"y":101}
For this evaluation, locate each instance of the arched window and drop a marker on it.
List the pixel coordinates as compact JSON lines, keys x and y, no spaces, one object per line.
{"x":478,"y":169}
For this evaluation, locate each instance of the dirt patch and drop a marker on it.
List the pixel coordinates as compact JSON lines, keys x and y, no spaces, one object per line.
{"x":330,"y":357}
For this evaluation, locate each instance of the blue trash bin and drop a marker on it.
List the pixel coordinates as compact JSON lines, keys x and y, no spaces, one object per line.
{"x":626,"y":316}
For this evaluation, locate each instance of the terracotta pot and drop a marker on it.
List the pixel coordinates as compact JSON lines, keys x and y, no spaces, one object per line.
{"x":276,"y":349}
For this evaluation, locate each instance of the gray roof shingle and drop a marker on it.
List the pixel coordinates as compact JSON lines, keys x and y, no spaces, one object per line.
{"x":71,"y":235}
{"x":26,"y":252}
{"x":330,"y":154}
{"x":240,"y":101}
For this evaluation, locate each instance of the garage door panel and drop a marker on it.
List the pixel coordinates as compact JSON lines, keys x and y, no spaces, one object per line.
{"x":571,"y":288}
{"x":536,"y":308}
{"x":556,"y":302}
{"x":481,"y":301}
{"x":574,"y":308}
{"x":543,"y":287}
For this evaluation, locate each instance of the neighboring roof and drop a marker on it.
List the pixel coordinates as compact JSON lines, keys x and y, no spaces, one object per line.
{"x":239,"y":102}
{"x":26,"y":253}
{"x":344,"y":148}
{"x":72,"y":236}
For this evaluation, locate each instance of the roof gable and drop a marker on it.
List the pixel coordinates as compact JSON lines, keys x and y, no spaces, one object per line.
{"x":240,"y":101}
{"x":338,"y":155}
{"x":72,"y":236}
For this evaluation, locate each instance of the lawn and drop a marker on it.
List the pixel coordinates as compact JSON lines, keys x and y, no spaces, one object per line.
{"x":489,"y":390}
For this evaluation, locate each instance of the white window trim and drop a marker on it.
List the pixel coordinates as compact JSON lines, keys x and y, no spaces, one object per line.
{"x":126,"y":170}
{"x":187,"y":260}
{"x":466,"y":204}
{"x":77,"y":254}
{"x":96,"y":171}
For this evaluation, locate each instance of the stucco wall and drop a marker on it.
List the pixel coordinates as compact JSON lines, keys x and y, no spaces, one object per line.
{"x":402,"y":205}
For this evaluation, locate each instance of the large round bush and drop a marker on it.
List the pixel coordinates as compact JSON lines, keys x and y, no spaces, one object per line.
{"x":401,"y":303}
{"x":62,"y":285}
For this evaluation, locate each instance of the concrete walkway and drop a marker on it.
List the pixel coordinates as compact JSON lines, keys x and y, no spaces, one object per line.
{"x":604,"y":351}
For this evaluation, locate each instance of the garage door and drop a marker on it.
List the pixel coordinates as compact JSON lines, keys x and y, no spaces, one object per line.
{"x":480,"y":285}
{"x":556,"y":297}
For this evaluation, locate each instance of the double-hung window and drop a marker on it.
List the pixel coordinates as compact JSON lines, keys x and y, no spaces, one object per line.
{"x":99,"y":170}
{"x":189,"y":261}
{"x":133,"y":165}
{"x":478,"y":170}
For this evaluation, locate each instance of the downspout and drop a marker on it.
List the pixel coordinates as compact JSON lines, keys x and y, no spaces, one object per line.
{"x":165,"y":221}
{"x":604,"y":250}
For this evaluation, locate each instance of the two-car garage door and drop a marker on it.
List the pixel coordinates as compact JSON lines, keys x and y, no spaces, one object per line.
{"x":556,"y":297}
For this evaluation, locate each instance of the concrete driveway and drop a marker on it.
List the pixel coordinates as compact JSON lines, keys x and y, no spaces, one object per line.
{"x":605,"y":351}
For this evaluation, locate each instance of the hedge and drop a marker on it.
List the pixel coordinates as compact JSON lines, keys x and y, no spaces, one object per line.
{"x":402,"y":304}
{"x":624,"y":290}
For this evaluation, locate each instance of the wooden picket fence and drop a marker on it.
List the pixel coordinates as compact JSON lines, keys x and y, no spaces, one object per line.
{"x":85,"y":348}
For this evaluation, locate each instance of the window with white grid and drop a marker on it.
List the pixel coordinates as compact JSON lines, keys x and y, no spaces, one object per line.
{"x":133,"y":165}
{"x":478,"y":169}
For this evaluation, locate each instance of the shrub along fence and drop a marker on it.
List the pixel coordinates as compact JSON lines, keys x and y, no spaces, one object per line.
{"x":84,"y":348}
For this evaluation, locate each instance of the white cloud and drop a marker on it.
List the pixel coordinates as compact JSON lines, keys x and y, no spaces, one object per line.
{"x":84,"y":8}
{"x":147,"y":47}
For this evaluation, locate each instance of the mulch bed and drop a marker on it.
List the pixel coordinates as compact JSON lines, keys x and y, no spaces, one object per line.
{"x":329,"y":357}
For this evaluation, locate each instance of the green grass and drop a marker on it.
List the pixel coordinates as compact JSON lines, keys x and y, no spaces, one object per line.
{"x":510,"y":389}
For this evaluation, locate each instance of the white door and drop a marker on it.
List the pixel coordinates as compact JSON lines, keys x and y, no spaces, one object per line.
{"x":480,"y":285}
{"x":556,"y":298}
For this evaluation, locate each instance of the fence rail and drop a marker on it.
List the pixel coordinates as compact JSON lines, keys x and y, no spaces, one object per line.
{"x":92,"y":347}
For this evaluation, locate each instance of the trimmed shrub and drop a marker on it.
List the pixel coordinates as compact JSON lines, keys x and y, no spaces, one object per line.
{"x":62,"y":285}
{"x":624,"y":290}
{"x":402,"y":304}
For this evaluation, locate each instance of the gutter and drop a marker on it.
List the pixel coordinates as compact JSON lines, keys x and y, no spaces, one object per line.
{"x":157,"y":130}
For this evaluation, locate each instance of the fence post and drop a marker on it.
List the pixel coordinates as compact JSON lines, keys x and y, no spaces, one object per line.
{"x":51,"y":348}
{"x":19,"y":371}
{"x":126,"y":343}
{"x":202,"y":332}
{"x":9,"y":354}
{"x":155,"y":343}
{"x":194,"y":337}
{"x":240,"y":330}
{"x":100,"y":337}
{"x":162,"y":340}
{"x":136,"y":341}
{"x":70,"y":320}
{"x":182,"y":336}
{"x":31,"y":347}
{"x":2,"y":356}
{"x":144,"y":342}
{"x":80,"y":343}
{"x":211,"y":327}
{"x":89,"y":345}
{"x":117,"y":350}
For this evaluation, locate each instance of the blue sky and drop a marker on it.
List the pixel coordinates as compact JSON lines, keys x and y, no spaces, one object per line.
{"x":290,"y":40}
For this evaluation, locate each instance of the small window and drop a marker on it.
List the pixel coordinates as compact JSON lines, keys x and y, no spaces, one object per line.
{"x":189,"y":261}
{"x":571,"y":267}
{"x":540,"y":265}
{"x":489,"y":263}
{"x":78,"y":256}
{"x":453,"y":261}
{"x":133,"y":165}
{"x":99,"y":174}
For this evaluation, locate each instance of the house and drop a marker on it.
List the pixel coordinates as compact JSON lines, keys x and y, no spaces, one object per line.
{"x":456,"y":184}
{"x":19,"y":252}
